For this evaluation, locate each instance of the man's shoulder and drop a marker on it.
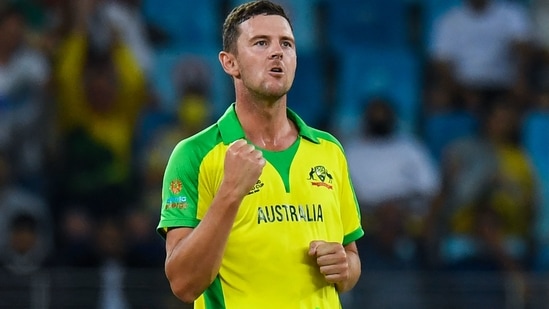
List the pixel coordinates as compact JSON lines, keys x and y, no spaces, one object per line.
{"x":199,"y":143}
{"x":325,"y":136}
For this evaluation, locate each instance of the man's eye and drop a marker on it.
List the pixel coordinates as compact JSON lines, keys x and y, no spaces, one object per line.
{"x":286,"y":44}
{"x":261,"y":43}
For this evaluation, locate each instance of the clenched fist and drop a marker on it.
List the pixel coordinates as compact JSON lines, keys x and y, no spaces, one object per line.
{"x":243,"y":166}
{"x":331,"y":258}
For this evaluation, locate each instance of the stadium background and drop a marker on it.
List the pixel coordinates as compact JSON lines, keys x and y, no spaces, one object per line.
{"x":348,"y":51}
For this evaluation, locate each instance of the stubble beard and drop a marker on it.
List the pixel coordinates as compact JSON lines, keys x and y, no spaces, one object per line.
{"x":268,"y":91}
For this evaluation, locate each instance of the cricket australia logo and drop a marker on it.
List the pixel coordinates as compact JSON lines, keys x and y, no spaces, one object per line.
{"x":320,"y":177}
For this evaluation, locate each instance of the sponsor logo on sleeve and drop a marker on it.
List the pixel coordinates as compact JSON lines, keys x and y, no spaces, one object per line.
{"x":176,"y":186}
{"x":176,"y":202}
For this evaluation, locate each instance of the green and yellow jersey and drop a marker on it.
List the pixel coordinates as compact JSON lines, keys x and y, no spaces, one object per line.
{"x":303,"y":194}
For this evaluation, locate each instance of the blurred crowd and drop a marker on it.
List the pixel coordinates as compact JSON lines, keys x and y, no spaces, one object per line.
{"x":442,"y":107}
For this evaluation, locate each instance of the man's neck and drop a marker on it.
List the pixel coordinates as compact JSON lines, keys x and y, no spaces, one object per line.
{"x":266,"y":125}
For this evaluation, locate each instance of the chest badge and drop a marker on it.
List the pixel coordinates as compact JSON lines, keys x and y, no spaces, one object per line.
{"x":320,"y":177}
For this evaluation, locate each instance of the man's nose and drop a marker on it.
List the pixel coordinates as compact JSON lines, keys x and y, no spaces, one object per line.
{"x":276,"y":52}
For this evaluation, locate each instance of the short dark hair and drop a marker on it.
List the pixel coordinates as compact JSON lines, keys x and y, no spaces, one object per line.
{"x":244,"y":12}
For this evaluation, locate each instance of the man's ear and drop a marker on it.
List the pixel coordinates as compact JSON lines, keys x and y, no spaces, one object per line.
{"x":229,"y":64}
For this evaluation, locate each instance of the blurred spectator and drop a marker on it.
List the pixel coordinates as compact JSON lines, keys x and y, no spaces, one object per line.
{"x":122,"y":18}
{"x":160,"y":130}
{"x":45,"y":20}
{"x":23,"y":77}
{"x":481,"y":50}
{"x":75,"y":241}
{"x":488,"y":202}
{"x":394,"y":179}
{"x":100,"y":95}
{"x":26,"y":246}
{"x":409,"y":178}
{"x":24,"y":251}
{"x":52,"y":20}
{"x":27,"y":241}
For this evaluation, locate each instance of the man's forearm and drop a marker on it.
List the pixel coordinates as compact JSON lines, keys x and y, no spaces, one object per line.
{"x":194,"y":259}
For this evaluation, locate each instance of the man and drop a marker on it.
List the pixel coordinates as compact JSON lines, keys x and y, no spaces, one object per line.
{"x":481,"y":51}
{"x":246,"y":223}
{"x":99,"y":96}
{"x":395,"y":181}
{"x":486,"y":211}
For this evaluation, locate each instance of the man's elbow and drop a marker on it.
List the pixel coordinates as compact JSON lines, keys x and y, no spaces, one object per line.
{"x":185,"y":290}
{"x":186,"y":284}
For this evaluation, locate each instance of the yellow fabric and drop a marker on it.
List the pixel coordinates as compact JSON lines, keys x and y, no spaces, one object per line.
{"x":514,"y":201}
{"x":251,"y":265}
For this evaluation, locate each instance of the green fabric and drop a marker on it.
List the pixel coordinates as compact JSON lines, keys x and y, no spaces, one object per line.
{"x":282,"y":161}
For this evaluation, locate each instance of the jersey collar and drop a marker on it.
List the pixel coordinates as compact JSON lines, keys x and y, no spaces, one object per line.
{"x":231,"y":129}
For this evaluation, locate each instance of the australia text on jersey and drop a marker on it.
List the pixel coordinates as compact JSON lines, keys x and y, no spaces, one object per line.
{"x":291,"y":213}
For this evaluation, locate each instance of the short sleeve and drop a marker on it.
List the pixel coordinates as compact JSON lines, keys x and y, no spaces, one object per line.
{"x":179,"y":189}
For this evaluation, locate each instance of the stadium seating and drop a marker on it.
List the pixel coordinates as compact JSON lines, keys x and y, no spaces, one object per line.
{"x":186,"y":22}
{"x":440,"y":129}
{"x":365,"y":23}
{"x":392,"y":73}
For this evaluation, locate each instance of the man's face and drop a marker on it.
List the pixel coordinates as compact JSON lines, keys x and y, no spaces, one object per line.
{"x":266,"y":56}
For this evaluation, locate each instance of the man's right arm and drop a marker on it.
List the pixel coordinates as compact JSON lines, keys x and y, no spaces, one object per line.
{"x":193,"y":256}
